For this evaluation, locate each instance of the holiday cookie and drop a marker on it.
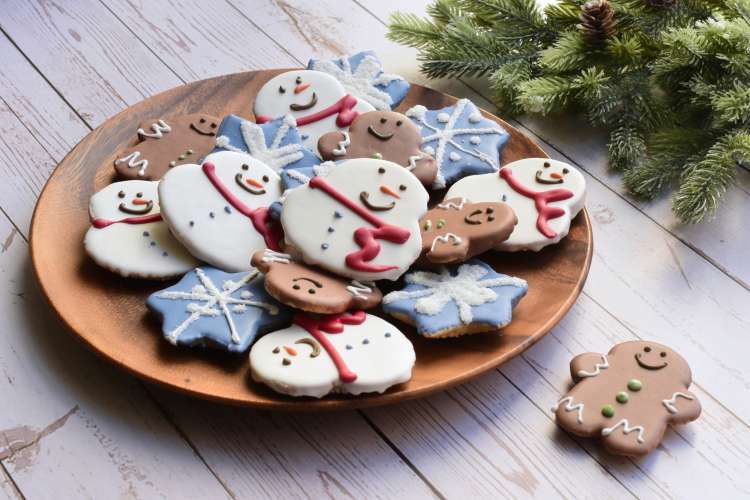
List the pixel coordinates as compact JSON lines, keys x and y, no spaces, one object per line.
{"x":311,"y":289}
{"x":129,"y":237}
{"x":362,"y":75}
{"x":351,"y":353}
{"x":470,"y":298}
{"x":381,"y":134}
{"x":462,"y":141}
{"x":545,"y":194}
{"x":276,"y":143}
{"x":166,"y":143}
{"x":209,"y":307}
{"x":295,"y":177}
{"x":628,"y":396}
{"x":360,"y":220}
{"x":219,"y":210}
{"x":316,"y":100}
{"x":456,"y":230}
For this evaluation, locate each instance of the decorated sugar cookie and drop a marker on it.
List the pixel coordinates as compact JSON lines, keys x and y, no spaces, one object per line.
{"x":628,"y":396}
{"x":362,"y":75}
{"x":456,"y":229}
{"x":276,"y":143}
{"x":129,"y":237}
{"x":352,"y":353}
{"x":219,"y":210}
{"x":311,"y":289}
{"x":209,"y":307}
{"x":470,"y":298}
{"x":295,"y":177}
{"x":316,"y":100}
{"x":165,"y":143}
{"x":545,"y":194}
{"x":381,"y":134}
{"x":462,"y":141}
{"x":361,"y":220}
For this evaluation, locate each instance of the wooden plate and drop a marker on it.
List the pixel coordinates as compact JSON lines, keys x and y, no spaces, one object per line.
{"x":109,"y":314}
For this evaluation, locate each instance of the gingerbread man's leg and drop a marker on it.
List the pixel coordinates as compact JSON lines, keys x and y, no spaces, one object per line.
{"x":633,"y":438}
{"x":576,"y":417}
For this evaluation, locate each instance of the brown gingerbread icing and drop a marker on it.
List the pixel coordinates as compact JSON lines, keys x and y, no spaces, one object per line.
{"x":165,"y":143}
{"x":628,"y":396}
{"x":456,"y":230}
{"x":381,"y":134}
{"x":311,"y":289}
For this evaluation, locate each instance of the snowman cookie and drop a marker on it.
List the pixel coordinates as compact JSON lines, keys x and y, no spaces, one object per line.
{"x":166,"y":143}
{"x":311,"y":289}
{"x":360,"y":220}
{"x":628,"y":396}
{"x":129,"y":237}
{"x":381,"y":134}
{"x":219,"y":210}
{"x":352,"y":353}
{"x":316,"y":100}
{"x":545,"y":194}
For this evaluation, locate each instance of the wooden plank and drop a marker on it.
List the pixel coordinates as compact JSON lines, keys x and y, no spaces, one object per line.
{"x":8,"y":490}
{"x":72,"y":425}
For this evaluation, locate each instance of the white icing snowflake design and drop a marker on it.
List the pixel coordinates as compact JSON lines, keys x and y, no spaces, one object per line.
{"x":211,"y":301}
{"x":362,"y":81}
{"x":274,"y":156}
{"x":466,"y":289}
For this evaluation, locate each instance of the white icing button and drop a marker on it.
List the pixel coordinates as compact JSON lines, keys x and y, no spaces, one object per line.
{"x":443,"y":117}
{"x":474,"y":118}
{"x":475,"y":139}
{"x":454,"y":156}
{"x":429,"y":150}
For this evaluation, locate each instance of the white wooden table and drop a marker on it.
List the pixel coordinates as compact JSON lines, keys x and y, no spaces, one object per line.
{"x":71,"y":425}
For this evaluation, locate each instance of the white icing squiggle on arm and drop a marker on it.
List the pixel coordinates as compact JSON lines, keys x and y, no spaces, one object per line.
{"x":445,"y":238}
{"x":570,"y":407}
{"x":272,"y":256}
{"x":455,"y":206}
{"x":626,"y":429}
{"x":597,"y":369}
{"x":159,"y":129}
{"x":359,"y":289}
{"x":341,"y":149}
{"x":133,"y":162}
{"x":669,"y":404}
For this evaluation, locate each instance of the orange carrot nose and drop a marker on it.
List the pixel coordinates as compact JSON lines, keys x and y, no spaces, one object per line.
{"x":253,"y":182}
{"x":301,"y":87}
{"x":555,"y":175}
{"x":290,"y":350}
{"x":390,"y":192}
{"x":141,"y":201}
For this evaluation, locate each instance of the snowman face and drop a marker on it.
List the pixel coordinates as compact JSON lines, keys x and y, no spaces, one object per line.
{"x":248,"y":178}
{"x":543,"y":174}
{"x":300,"y":93}
{"x":125,"y":199}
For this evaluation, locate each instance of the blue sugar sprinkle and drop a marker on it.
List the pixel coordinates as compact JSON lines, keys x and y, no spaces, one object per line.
{"x":228,"y":210}
{"x":153,"y":243}
{"x":348,"y":346}
{"x":146,"y":234}
{"x":164,"y":254}
{"x":337,"y":214}
{"x":192,"y":223}
{"x":211,"y":214}
{"x":365,"y":341}
{"x":324,"y":246}
{"x":388,"y":334}
{"x":304,"y":137}
{"x":330,"y":230}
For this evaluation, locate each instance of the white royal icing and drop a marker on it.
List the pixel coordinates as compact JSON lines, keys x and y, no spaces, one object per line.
{"x":133,"y":162}
{"x":453,"y":205}
{"x":273,"y":256}
{"x":669,"y":404}
{"x":362,"y":82}
{"x":343,"y":144}
{"x":445,"y":238}
{"x":274,"y":156}
{"x":626,"y":429}
{"x":159,"y":129}
{"x":359,"y":290}
{"x":571,"y":407}
{"x":597,"y":368}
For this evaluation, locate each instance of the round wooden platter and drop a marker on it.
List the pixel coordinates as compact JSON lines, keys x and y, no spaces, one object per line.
{"x":109,"y":313}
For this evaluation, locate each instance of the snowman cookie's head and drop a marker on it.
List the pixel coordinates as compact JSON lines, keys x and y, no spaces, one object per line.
{"x":543,"y":174}
{"x":299,"y":93}
{"x":254,"y":182}
{"x":125,"y":199}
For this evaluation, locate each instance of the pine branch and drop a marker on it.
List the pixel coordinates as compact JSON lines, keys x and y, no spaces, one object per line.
{"x":412,"y":31}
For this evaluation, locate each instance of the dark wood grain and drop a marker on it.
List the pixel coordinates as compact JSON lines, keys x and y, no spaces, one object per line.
{"x":109,"y":314}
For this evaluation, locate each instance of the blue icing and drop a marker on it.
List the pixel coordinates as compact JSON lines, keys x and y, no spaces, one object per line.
{"x":295,"y":177}
{"x":462,"y":141}
{"x":455,"y":297}
{"x":362,"y":75}
{"x":191,"y":310}
{"x":276,"y":143}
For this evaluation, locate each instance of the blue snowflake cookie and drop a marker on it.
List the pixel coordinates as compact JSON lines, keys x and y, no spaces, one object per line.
{"x":294,"y":177}
{"x":456,"y":300}
{"x":209,"y":307}
{"x":277,"y":143}
{"x":462,"y":141}
{"x":362,"y":76}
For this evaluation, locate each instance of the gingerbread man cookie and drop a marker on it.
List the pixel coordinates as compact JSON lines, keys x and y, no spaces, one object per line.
{"x":628,"y":396}
{"x":166,"y":143}
{"x":310,"y":289}
{"x":456,"y":230}
{"x":381,"y":134}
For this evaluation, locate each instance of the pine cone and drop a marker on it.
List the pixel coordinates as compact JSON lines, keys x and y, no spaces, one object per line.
{"x":598,"y":22}
{"x":663,"y":4}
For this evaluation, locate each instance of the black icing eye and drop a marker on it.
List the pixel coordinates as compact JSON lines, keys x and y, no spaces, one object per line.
{"x":381,"y":170}
{"x":296,"y":287}
{"x":565,"y":171}
{"x":121,"y":194}
{"x":265,"y":178}
{"x":245,"y":166}
{"x":547,"y":164}
{"x":281,"y":89}
{"x":399,"y":123}
{"x":139,"y":195}
{"x":383,"y":120}
{"x":298,"y":80}
{"x":213,"y":125}
{"x":402,"y":188}
{"x":311,"y":291}
{"x":663,"y":354}
{"x":202,"y":120}
{"x":647,"y":349}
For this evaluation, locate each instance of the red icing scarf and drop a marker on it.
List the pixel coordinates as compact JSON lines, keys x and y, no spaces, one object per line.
{"x":343,"y":108}
{"x":541,"y":201}
{"x":260,"y":217}
{"x":365,"y":237}
{"x":317,"y":325}
{"x":143,"y":219}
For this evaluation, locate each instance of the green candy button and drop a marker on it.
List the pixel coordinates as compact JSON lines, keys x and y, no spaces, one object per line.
{"x":608,"y":411}
{"x":634,"y":384}
{"x":622,"y":397}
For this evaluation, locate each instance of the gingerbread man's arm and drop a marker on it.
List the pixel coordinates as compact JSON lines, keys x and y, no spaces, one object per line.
{"x":332,"y":146}
{"x":587,"y":365}
{"x":447,"y":248}
{"x":682,"y":406}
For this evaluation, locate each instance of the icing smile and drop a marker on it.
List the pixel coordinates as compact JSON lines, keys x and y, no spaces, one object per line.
{"x":147,"y":206}
{"x":201,"y":132}
{"x":364,"y":197}
{"x":250,"y":185}
{"x":647,"y":366}
{"x":375,"y":133}
{"x":303,"y":107}
{"x":556,"y":178}
{"x":472,"y":220}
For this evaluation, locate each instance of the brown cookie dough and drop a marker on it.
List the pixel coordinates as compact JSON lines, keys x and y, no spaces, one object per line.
{"x":628,"y":396}
{"x":381,"y":134}
{"x":456,"y":230}
{"x":164,"y":143}
{"x":313,"y":290}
